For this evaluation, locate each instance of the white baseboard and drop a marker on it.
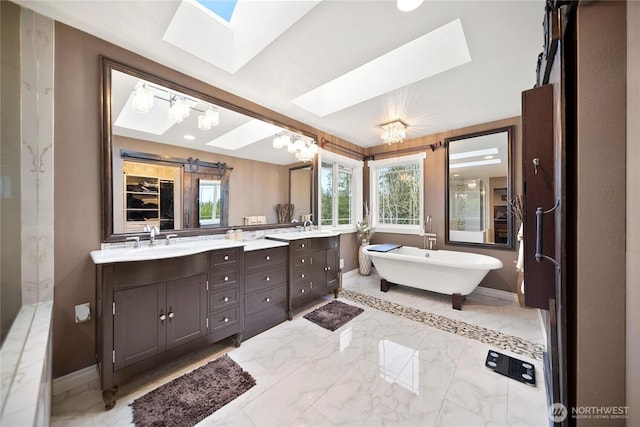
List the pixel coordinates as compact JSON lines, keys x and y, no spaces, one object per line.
{"x":75,"y":379}
{"x":350,"y":273}
{"x":496,"y":293}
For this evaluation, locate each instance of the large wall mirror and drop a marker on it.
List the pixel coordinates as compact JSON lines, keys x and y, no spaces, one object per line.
{"x":479,"y":189}
{"x":186,"y":162}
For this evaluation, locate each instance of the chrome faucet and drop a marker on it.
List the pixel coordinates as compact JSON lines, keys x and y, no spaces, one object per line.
{"x":310,"y":223}
{"x":307,"y":221}
{"x":152,"y":230}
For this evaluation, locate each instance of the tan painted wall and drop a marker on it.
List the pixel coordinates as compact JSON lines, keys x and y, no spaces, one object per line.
{"x":600,"y":165}
{"x":10,"y":205}
{"x":504,"y":279}
{"x":633,"y":212}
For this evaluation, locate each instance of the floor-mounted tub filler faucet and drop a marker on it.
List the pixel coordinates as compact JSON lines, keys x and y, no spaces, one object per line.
{"x":429,"y":235}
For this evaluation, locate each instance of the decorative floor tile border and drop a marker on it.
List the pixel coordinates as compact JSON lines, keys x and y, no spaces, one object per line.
{"x":478,"y":333}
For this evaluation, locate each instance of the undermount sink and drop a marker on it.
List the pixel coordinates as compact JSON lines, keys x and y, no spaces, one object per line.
{"x":295,"y":235}
{"x":159,"y":251}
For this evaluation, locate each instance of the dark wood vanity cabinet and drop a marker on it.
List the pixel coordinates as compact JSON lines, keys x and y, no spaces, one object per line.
{"x":314,"y":270}
{"x":265,"y":301}
{"x":150,"y":312}
{"x":226,"y":293}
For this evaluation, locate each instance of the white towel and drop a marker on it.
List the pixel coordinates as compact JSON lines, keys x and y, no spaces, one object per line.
{"x":520,"y":262}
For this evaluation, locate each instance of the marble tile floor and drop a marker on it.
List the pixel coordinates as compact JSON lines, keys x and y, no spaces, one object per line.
{"x":378,"y":369}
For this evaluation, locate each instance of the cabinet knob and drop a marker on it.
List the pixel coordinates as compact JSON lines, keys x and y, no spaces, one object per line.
{"x":267,"y":278}
{"x":302,"y":245}
{"x":328,"y":268}
{"x":226,"y":257}
{"x":162,"y":317}
{"x":302,"y":260}
{"x":267,"y":257}
{"x":226,"y":299}
{"x":171,"y":315}
{"x":226,"y":278}
{"x":302,"y":290}
{"x":225,"y":320}
{"x":302,"y":276}
{"x":268,"y":299}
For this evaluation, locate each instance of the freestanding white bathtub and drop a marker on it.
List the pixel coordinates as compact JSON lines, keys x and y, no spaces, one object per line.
{"x":447,"y":272}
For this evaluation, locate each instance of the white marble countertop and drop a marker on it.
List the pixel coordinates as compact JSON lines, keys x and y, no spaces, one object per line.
{"x":296,"y":235}
{"x":254,"y":245}
{"x":145,"y":252}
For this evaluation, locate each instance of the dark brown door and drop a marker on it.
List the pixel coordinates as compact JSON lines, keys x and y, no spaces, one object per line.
{"x":186,"y":310}
{"x":318,"y":272}
{"x":139,"y":331}
{"x":538,"y":192}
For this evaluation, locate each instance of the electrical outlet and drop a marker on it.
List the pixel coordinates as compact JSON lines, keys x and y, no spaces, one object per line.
{"x":83,"y":312}
{"x":341,"y":263}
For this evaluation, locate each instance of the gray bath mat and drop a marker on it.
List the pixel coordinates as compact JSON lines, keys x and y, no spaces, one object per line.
{"x":189,"y":399}
{"x":333,"y":315}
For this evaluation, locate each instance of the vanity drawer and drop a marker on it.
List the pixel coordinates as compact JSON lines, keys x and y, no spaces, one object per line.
{"x":270,"y":277}
{"x":301,"y":275}
{"x":301,"y":289}
{"x":265,"y":257}
{"x":264,"y":299}
{"x":299,"y":245}
{"x":221,"y":299}
{"x":223,"y":319}
{"x":223,"y":278}
{"x":224,"y":257}
{"x":301,"y":261}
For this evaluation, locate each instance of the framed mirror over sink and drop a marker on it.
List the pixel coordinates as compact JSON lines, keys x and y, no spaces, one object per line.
{"x":479,"y":189}
{"x":172,"y":168}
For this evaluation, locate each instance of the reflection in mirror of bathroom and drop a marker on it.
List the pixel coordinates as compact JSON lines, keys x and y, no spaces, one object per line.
{"x":142,"y":118}
{"x":209,"y":202}
{"x":300,"y":183}
{"x":478,"y":188}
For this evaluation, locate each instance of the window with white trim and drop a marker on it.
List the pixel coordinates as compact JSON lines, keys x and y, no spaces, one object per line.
{"x":340,"y":190}
{"x":397,"y":193}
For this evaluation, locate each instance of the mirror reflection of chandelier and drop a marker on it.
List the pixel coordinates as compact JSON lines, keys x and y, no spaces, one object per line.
{"x":304,"y":148}
{"x":179,"y":105}
{"x":394,"y":131}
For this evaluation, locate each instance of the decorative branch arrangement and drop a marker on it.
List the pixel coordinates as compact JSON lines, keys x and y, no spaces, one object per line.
{"x":363,"y":230}
{"x":284,"y":211}
{"x":517,"y":209}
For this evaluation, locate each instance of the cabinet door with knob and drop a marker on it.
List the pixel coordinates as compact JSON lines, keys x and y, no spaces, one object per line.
{"x":151,"y":319}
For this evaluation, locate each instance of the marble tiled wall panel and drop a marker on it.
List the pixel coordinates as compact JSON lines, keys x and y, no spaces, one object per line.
{"x":37,"y":156}
{"x":26,"y":380}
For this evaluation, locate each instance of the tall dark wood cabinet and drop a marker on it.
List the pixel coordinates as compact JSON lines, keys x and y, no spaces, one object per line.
{"x":538,"y":192}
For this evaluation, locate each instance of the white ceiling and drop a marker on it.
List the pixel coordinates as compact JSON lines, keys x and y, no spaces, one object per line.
{"x":333,"y":38}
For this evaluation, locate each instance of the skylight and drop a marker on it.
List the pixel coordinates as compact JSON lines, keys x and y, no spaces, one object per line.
{"x":223,"y":8}
{"x":435,"y":52}
{"x":248,"y":133}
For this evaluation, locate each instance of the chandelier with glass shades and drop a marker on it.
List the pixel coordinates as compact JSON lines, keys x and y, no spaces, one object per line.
{"x":303,"y":147}
{"x":180,"y":106}
{"x":395,"y":131}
